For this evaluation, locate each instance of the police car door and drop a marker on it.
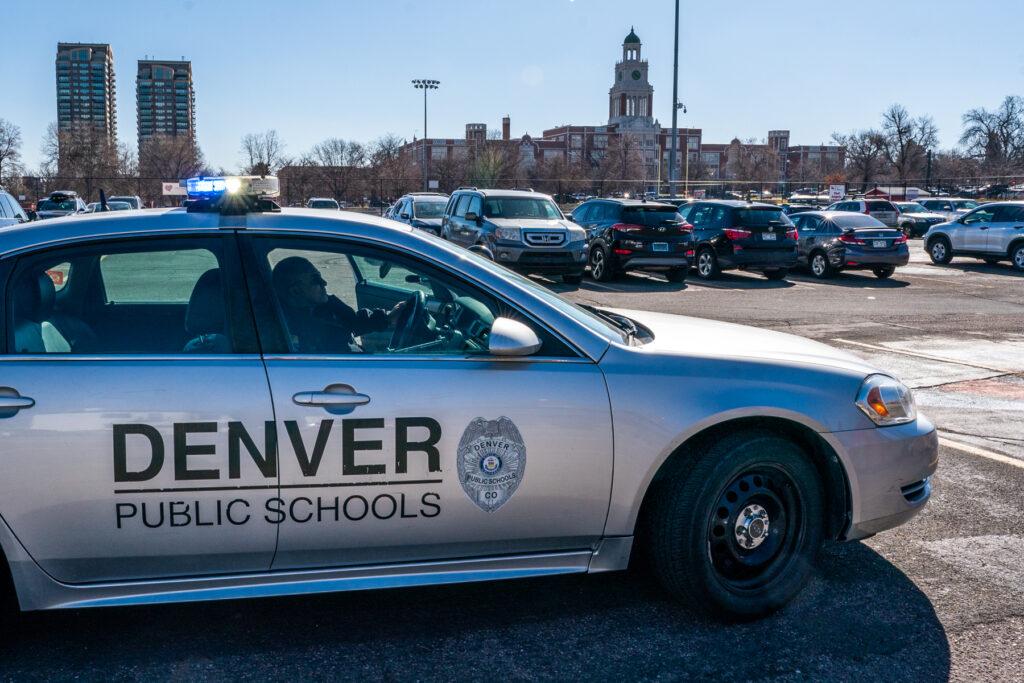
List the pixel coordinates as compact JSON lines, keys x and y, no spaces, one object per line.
{"x":135,"y":412}
{"x":405,"y":455}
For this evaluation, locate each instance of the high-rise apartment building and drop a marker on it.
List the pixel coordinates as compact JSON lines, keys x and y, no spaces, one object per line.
{"x":166,"y":99}
{"x":86,"y":88}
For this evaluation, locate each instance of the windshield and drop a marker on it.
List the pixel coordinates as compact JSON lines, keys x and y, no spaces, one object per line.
{"x":132,"y":202}
{"x":51,"y":205}
{"x":857,"y":221}
{"x":761,"y":217}
{"x":965,"y":204}
{"x":323,"y":204}
{"x":521,"y":207}
{"x":911,"y":207}
{"x":423,"y":209}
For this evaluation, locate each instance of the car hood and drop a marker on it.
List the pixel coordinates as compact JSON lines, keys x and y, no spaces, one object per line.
{"x":53,"y":214}
{"x":929,"y":215}
{"x":683,"y":335}
{"x":432,"y":222}
{"x":537,"y":223}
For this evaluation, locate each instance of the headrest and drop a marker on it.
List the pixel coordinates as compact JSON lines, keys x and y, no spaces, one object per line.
{"x":205,"y":313}
{"x":35,"y":298}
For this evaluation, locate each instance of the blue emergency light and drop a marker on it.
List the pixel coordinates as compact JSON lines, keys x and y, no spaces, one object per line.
{"x":211,"y":188}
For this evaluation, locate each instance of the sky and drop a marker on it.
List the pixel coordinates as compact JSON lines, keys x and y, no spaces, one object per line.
{"x":314,"y":69}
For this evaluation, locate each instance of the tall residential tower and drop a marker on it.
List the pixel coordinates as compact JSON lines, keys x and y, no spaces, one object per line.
{"x":86,"y":88}
{"x":166,"y":99}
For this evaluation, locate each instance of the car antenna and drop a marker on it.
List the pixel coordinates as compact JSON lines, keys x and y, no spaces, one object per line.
{"x":103,"y":200}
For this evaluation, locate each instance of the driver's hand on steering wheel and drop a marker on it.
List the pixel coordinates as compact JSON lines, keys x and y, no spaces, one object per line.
{"x":394,"y":312}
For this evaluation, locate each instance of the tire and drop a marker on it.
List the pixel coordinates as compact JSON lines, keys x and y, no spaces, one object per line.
{"x":573,"y":279}
{"x":707,"y":264}
{"x":820,"y":267}
{"x":676,"y":275}
{"x":1017,"y":256}
{"x":600,"y":265}
{"x":884,"y":273}
{"x":704,"y":555}
{"x":940,"y":251}
{"x":776,"y":274}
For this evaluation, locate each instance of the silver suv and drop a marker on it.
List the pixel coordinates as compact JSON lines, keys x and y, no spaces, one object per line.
{"x":951,"y":207}
{"x":521,"y":229}
{"x":993,"y":232}
{"x":11,"y":212}
{"x":60,"y":203}
{"x":879,"y":209}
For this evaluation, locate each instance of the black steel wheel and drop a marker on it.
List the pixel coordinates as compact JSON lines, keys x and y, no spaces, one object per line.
{"x":733,"y":529}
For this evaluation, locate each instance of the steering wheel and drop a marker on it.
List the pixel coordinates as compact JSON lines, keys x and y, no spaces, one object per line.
{"x":411,"y":319}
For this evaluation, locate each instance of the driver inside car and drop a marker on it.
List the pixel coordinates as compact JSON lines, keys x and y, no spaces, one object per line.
{"x":319,"y":322}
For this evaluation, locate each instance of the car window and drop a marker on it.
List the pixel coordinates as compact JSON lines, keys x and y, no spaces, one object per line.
{"x":520,"y":207}
{"x":164,"y":297}
{"x":859,"y":221}
{"x":718,"y":217}
{"x":6,"y":210}
{"x":962,"y":204}
{"x":475,"y":206}
{"x":1011,"y":214}
{"x":460,"y":208}
{"x":880,"y":206}
{"x":580,"y":215}
{"x":699,"y":215}
{"x":369,"y":314}
{"x":649,"y":215}
{"x":428,"y":209}
{"x":982,"y":215}
{"x":760,"y":216}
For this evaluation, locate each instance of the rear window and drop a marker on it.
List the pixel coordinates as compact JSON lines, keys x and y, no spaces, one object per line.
{"x":423,"y":209}
{"x":51,"y":205}
{"x":760,"y":217}
{"x":881,"y":206}
{"x":649,"y":215}
{"x":858,"y":221}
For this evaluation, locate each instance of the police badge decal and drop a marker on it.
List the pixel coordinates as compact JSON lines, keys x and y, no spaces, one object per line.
{"x":491,"y":461}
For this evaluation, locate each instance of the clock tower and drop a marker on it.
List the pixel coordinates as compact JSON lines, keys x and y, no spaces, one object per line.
{"x":631,"y":98}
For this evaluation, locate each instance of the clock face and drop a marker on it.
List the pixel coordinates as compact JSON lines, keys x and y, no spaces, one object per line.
{"x":636,"y":75}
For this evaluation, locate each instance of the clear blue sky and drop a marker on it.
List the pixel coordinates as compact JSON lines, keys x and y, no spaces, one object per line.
{"x":314,"y":69}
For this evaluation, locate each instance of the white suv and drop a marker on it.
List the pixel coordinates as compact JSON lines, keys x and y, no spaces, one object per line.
{"x":11,"y":212}
{"x":993,"y":232}
{"x":879,"y":209}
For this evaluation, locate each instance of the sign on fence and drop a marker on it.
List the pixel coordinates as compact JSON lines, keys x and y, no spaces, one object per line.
{"x":913,"y":193}
{"x":173,"y":189}
{"x":699,"y":194}
{"x":836,"y":192}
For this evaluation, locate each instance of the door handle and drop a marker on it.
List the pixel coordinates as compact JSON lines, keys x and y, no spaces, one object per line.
{"x":330,"y":399}
{"x":12,"y":404}
{"x":983,"y":227}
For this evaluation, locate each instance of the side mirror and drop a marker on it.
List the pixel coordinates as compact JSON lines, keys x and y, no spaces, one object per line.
{"x":471,"y":216}
{"x":404,"y":215}
{"x":512,"y":338}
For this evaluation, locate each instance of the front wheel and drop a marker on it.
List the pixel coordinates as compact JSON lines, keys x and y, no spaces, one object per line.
{"x":883,"y":273}
{"x":940,"y":251}
{"x":777,"y":274}
{"x":1017,"y":257}
{"x":736,"y":531}
{"x":707,"y":264}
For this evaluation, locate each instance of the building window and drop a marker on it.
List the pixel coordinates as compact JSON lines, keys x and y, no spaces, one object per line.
{"x":600,"y":141}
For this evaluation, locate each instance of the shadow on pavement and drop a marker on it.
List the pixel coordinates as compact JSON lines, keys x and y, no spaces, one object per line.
{"x":855,"y":278}
{"x":1000,"y":268}
{"x":859,"y":618}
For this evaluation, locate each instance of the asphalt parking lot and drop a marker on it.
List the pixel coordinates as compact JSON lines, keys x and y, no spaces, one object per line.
{"x":938,"y":598}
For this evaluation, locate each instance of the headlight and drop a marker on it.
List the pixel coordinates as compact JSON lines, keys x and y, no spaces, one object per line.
{"x":886,"y":401}
{"x":507,"y":234}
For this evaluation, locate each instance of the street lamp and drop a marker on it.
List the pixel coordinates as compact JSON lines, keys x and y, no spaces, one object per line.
{"x":675,"y":107}
{"x":425,"y":84}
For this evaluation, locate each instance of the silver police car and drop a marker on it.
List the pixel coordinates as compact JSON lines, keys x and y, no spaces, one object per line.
{"x":231,"y":400}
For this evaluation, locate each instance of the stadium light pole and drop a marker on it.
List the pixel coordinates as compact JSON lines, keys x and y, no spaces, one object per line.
{"x":425,"y":84}
{"x":675,"y":110}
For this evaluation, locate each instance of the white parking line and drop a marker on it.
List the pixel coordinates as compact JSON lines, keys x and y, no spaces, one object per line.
{"x":981,"y":452}
{"x":886,"y":349}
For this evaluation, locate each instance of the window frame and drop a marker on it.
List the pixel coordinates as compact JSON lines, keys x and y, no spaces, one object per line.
{"x":272,"y":331}
{"x":241,"y":325}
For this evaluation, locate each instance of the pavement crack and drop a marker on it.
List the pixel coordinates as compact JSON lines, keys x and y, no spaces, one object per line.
{"x":974,"y":379}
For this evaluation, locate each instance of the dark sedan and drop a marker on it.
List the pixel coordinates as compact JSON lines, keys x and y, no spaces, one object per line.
{"x":741,"y":235}
{"x":625,"y":234}
{"x":831,"y":241}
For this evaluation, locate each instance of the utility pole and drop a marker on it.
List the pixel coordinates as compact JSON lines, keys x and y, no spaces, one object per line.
{"x":675,"y":110}
{"x":928,"y":180}
{"x":425,"y":84}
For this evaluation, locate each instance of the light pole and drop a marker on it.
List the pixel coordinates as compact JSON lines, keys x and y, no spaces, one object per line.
{"x":425,"y":84}
{"x":675,"y":109}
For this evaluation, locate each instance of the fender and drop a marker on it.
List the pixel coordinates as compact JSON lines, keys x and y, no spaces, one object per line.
{"x":482,"y":250}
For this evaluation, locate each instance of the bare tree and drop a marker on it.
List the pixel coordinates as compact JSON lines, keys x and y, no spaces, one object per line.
{"x":905,"y":140}
{"x":167,"y":158}
{"x":753,"y":161}
{"x":392,"y":172}
{"x":10,"y":150}
{"x":865,"y":156}
{"x":262,"y":153}
{"x":996,"y":137}
{"x":82,"y":159}
{"x":340,"y":166}
{"x":622,"y":165}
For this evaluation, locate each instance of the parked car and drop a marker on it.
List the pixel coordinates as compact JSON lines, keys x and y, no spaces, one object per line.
{"x":880,"y":209}
{"x":94,"y":207}
{"x":950,"y":207}
{"x":741,"y":235}
{"x":521,"y":229}
{"x":134,"y":201}
{"x":323,"y":203}
{"x":11,"y":212}
{"x":993,"y":232}
{"x":625,"y":234}
{"x":423,"y":210}
{"x":915,"y":220}
{"x":60,"y":203}
{"x":791,"y":209}
{"x":831,"y":241}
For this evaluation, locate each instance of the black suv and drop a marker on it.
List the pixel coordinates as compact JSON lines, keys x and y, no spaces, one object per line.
{"x":521,"y":229}
{"x":625,"y":234}
{"x":744,"y":235}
